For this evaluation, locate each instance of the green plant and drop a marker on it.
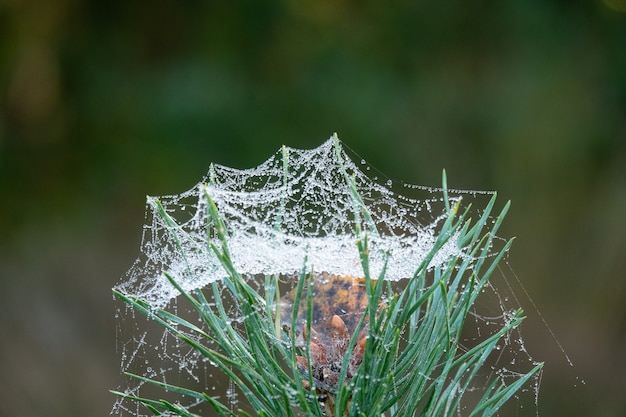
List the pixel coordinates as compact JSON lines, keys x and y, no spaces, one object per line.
{"x":413,"y":361}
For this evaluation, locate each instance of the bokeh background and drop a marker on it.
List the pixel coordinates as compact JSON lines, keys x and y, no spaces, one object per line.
{"x":105,"y":102}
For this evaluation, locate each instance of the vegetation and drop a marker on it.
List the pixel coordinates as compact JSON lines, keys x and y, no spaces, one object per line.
{"x":413,"y":361}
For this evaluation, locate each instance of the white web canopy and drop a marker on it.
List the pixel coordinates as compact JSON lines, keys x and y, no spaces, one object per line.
{"x":305,"y":210}
{"x":295,"y":210}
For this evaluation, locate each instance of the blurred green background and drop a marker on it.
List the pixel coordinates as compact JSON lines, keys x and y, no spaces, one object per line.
{"x":105,"y":102}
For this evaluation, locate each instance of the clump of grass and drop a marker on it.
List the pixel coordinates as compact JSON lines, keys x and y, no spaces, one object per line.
{"x":413,"y":361}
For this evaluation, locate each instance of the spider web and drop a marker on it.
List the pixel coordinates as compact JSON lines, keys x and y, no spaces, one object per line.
{"x":296,"y":210}
{"x":297,"y":205}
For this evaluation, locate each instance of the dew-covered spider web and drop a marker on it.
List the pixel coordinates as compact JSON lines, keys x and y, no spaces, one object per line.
{"x":298,"y":210}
